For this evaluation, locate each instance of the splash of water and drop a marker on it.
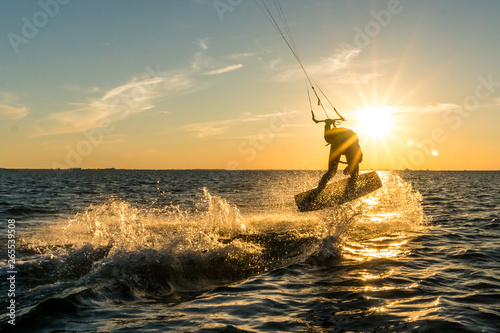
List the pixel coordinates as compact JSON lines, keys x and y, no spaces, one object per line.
{"x":167,"y":248}
{"x":129,"y":228}
{"x":394,"y":208}
{"x":222,"y":217}
{"x":162,"y":250}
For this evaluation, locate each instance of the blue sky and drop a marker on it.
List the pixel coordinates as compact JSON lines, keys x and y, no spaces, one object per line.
{"x":169,"y":84}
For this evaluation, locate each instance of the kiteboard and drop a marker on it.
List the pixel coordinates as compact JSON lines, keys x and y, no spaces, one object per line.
{"x":338,"y":193}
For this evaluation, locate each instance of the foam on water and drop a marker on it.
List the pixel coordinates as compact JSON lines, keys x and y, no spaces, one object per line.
{"x":119,"y":264}
{"x":160,"y":249}
{"x":170,"y":249}
{"x":122,"y":250}
{"x":394,"y":208}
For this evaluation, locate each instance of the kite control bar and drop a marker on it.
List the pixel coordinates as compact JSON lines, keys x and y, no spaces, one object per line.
{"x":328,"y":120}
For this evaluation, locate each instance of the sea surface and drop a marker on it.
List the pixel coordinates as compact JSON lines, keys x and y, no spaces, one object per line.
{"x":228,"y":251}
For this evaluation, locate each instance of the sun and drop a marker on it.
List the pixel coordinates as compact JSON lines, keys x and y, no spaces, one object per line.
{"x":374,"y":122}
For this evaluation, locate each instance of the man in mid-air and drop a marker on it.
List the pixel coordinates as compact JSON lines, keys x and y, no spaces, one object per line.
{"x":342,"y":141}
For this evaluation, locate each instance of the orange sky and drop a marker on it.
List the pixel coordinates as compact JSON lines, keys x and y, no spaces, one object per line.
{"x":182,"y":84}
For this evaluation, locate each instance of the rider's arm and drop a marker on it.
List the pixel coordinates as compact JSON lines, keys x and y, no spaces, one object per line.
{"x":314,"y":119}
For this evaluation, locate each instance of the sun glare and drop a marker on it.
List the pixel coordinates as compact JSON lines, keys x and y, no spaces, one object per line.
{"x":374,"y":122}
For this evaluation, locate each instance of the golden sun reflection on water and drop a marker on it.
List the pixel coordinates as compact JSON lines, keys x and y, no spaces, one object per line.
{"x":376,"y":248}
{"x":380,"y":248}
{"x":413,"y":313}
{"x":386,"y":221}
{"x":370,"y":200}
{"x":369,"y":276}
{"x":361,"y":253}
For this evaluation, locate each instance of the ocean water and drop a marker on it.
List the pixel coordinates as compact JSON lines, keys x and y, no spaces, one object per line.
{"x":228,"y":251}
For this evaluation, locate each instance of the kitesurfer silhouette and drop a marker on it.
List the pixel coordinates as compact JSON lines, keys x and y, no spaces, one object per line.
{"x":342,"y":141}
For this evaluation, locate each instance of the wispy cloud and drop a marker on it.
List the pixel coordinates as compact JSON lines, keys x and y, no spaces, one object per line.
{"x":340,"y":60}
{"x":143,"y":90}
{"x":274,"y":63}
{"x":224,"y":69}
{"x":212,"y":128}
{"x":495,"y":102}
{"x":356,"y":78}
{"x":10,"y":107}
{"x":203,"y":43}
{"x":341,"y":67}
{"x":116,"y":104}
{"x":137,"y":95}
{"x":209,"y":128}
{"x":13,"y":112}
{"x":204,"y":63}
{"x":439,"y":107}
{"x":241,"y":55}
{"x":81,"y":89}
{"x":200,"y":59}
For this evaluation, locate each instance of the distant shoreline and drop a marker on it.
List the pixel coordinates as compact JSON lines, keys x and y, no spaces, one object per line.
{"x":117,"y":169}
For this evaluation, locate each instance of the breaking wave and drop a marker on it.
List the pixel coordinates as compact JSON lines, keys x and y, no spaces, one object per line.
{"x":117,"y":251}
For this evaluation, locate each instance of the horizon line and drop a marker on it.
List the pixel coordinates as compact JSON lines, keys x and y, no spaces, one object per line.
{"x":219,"y":169}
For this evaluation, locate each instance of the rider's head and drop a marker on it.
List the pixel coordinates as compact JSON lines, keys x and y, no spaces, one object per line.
{"x":330,"y":123}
